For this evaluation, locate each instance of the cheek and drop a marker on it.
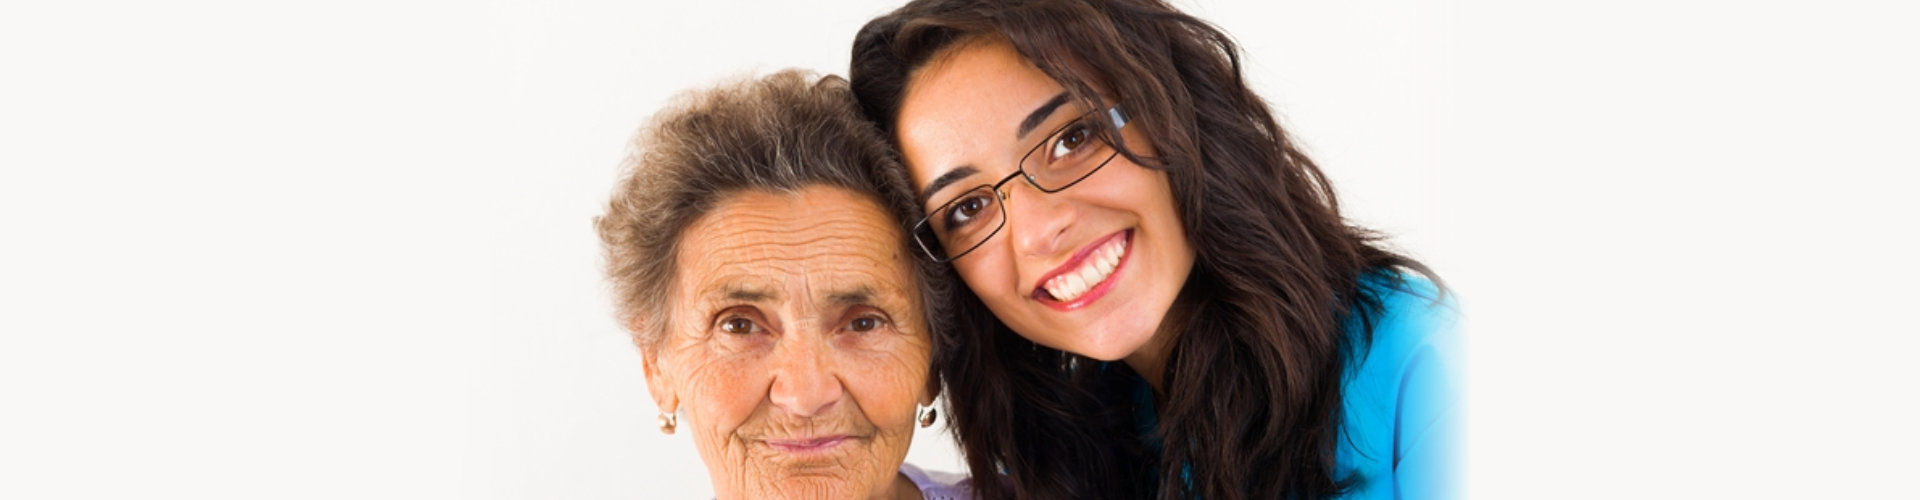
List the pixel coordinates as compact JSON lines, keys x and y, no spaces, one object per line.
{"x":989,"y":273}
{"x":991,"y":276}
{"x":1163,"y":189}
{"x":723,"y":394}
{"x":888,"y":384}
{"x":1167,"y":214}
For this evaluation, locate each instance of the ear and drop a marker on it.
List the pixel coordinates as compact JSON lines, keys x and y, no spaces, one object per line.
{"x":660,"y":382}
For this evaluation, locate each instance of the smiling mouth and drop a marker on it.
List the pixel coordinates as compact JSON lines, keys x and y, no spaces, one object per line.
{"x":1093,"y":269}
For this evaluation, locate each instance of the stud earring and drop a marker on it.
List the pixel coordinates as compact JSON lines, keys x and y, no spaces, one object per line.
{"x":668,"y":421}
{"x":927,"y":416}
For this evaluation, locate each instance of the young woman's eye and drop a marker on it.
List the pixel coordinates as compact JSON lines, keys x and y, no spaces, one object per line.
{"x":738,"y":326}
{"x":1070,"y":140}
{"x":966,"y":209}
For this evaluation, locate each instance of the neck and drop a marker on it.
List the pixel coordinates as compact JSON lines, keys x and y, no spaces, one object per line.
{"x":903,"y":489}
{"x":1150,"y":361}
{"x":899,"y":488}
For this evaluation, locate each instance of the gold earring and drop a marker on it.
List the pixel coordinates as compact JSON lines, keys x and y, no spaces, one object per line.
{"x":927,"y":416}
{"x":668,"y":421}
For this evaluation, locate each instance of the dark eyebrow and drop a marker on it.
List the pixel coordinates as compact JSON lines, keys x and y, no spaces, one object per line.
{"x":747,"y":294}
{"x":1034,"y":119}
{"x":945,"y":180}
{"x":1041,"y":113}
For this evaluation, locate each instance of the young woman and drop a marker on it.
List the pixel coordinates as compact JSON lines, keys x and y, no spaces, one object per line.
{"x":1165,"y":300}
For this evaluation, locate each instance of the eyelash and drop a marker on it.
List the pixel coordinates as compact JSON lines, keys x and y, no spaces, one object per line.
{"x":878,"y":322}
{"x":753,"y":325}
{"x":1075,"y":130}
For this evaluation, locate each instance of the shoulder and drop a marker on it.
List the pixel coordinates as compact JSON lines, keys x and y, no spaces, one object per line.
{"x":1416,"y":325}
{"x":1410,"y":301}
{"x":1415,"y":319}
{"x":939,"y":485}
{"x":1402,"y":393}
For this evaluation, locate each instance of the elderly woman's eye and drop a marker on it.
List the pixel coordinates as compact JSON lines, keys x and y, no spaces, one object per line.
{"x":737,"y":326}
{"x":864,"y":324}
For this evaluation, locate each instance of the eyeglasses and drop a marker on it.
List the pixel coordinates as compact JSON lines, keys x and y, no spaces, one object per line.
{"x":1071,"y":154}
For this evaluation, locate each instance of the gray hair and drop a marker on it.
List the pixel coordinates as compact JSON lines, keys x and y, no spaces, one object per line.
{"x":779,"y":133}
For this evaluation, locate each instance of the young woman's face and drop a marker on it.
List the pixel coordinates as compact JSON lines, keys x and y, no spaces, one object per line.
{"x":1091,"y":269}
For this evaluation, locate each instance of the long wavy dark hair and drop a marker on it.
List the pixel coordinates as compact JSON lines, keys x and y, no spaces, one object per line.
{"x":1253,"y":381}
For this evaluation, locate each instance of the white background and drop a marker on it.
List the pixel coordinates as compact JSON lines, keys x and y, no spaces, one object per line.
{"x":344,"y":250}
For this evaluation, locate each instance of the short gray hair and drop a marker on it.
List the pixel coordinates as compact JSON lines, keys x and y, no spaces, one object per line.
{"x":779,"y":133}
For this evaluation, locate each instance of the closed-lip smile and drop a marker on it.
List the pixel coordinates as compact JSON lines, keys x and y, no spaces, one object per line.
{"x":807,"y":445}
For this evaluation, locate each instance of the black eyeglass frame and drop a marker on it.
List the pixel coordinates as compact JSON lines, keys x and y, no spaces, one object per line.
{"x":923,"y":229}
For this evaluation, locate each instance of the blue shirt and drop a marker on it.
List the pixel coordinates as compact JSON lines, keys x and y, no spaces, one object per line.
{"x":1402,"y":410}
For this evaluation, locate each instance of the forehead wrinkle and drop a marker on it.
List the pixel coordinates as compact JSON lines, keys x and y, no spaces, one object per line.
{"x":776,"y":247}
{"x":805,"y":231}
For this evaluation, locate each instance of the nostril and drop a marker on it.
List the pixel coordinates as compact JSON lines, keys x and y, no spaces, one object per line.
{"x":806,"y":391}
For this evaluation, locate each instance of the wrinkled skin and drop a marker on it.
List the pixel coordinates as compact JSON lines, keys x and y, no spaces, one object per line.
{"x":796,"y":350}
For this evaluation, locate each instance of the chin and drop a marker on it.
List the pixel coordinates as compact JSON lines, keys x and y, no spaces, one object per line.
{"x":1113,"y":347}
{"x":801,"y":487}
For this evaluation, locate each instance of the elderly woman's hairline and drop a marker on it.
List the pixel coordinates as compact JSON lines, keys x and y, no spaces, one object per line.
{"x":780,"y":133}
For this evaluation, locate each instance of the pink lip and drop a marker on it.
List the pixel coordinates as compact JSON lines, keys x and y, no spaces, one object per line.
{"x":1040,"y":293}
{"x":807,"y":446}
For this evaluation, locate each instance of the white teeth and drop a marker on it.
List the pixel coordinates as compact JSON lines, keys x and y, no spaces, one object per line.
{"x":1098,"y":267}
{"x":1091,"y":273}
{"x":1075,"y":285}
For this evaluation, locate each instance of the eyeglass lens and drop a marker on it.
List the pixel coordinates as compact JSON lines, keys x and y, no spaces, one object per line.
{"x":1062,"y":159}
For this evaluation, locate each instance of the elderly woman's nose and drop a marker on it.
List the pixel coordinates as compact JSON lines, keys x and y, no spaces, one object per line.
{"x":804,"y":381}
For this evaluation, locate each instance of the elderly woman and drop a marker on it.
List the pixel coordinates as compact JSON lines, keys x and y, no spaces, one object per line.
{"x":759,"y":257}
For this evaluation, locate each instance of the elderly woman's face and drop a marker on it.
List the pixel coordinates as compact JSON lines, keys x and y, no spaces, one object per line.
{"x":796,"y":351}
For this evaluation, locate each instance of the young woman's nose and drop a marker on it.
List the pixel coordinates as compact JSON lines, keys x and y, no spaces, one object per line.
{"x":1036,"y":221}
